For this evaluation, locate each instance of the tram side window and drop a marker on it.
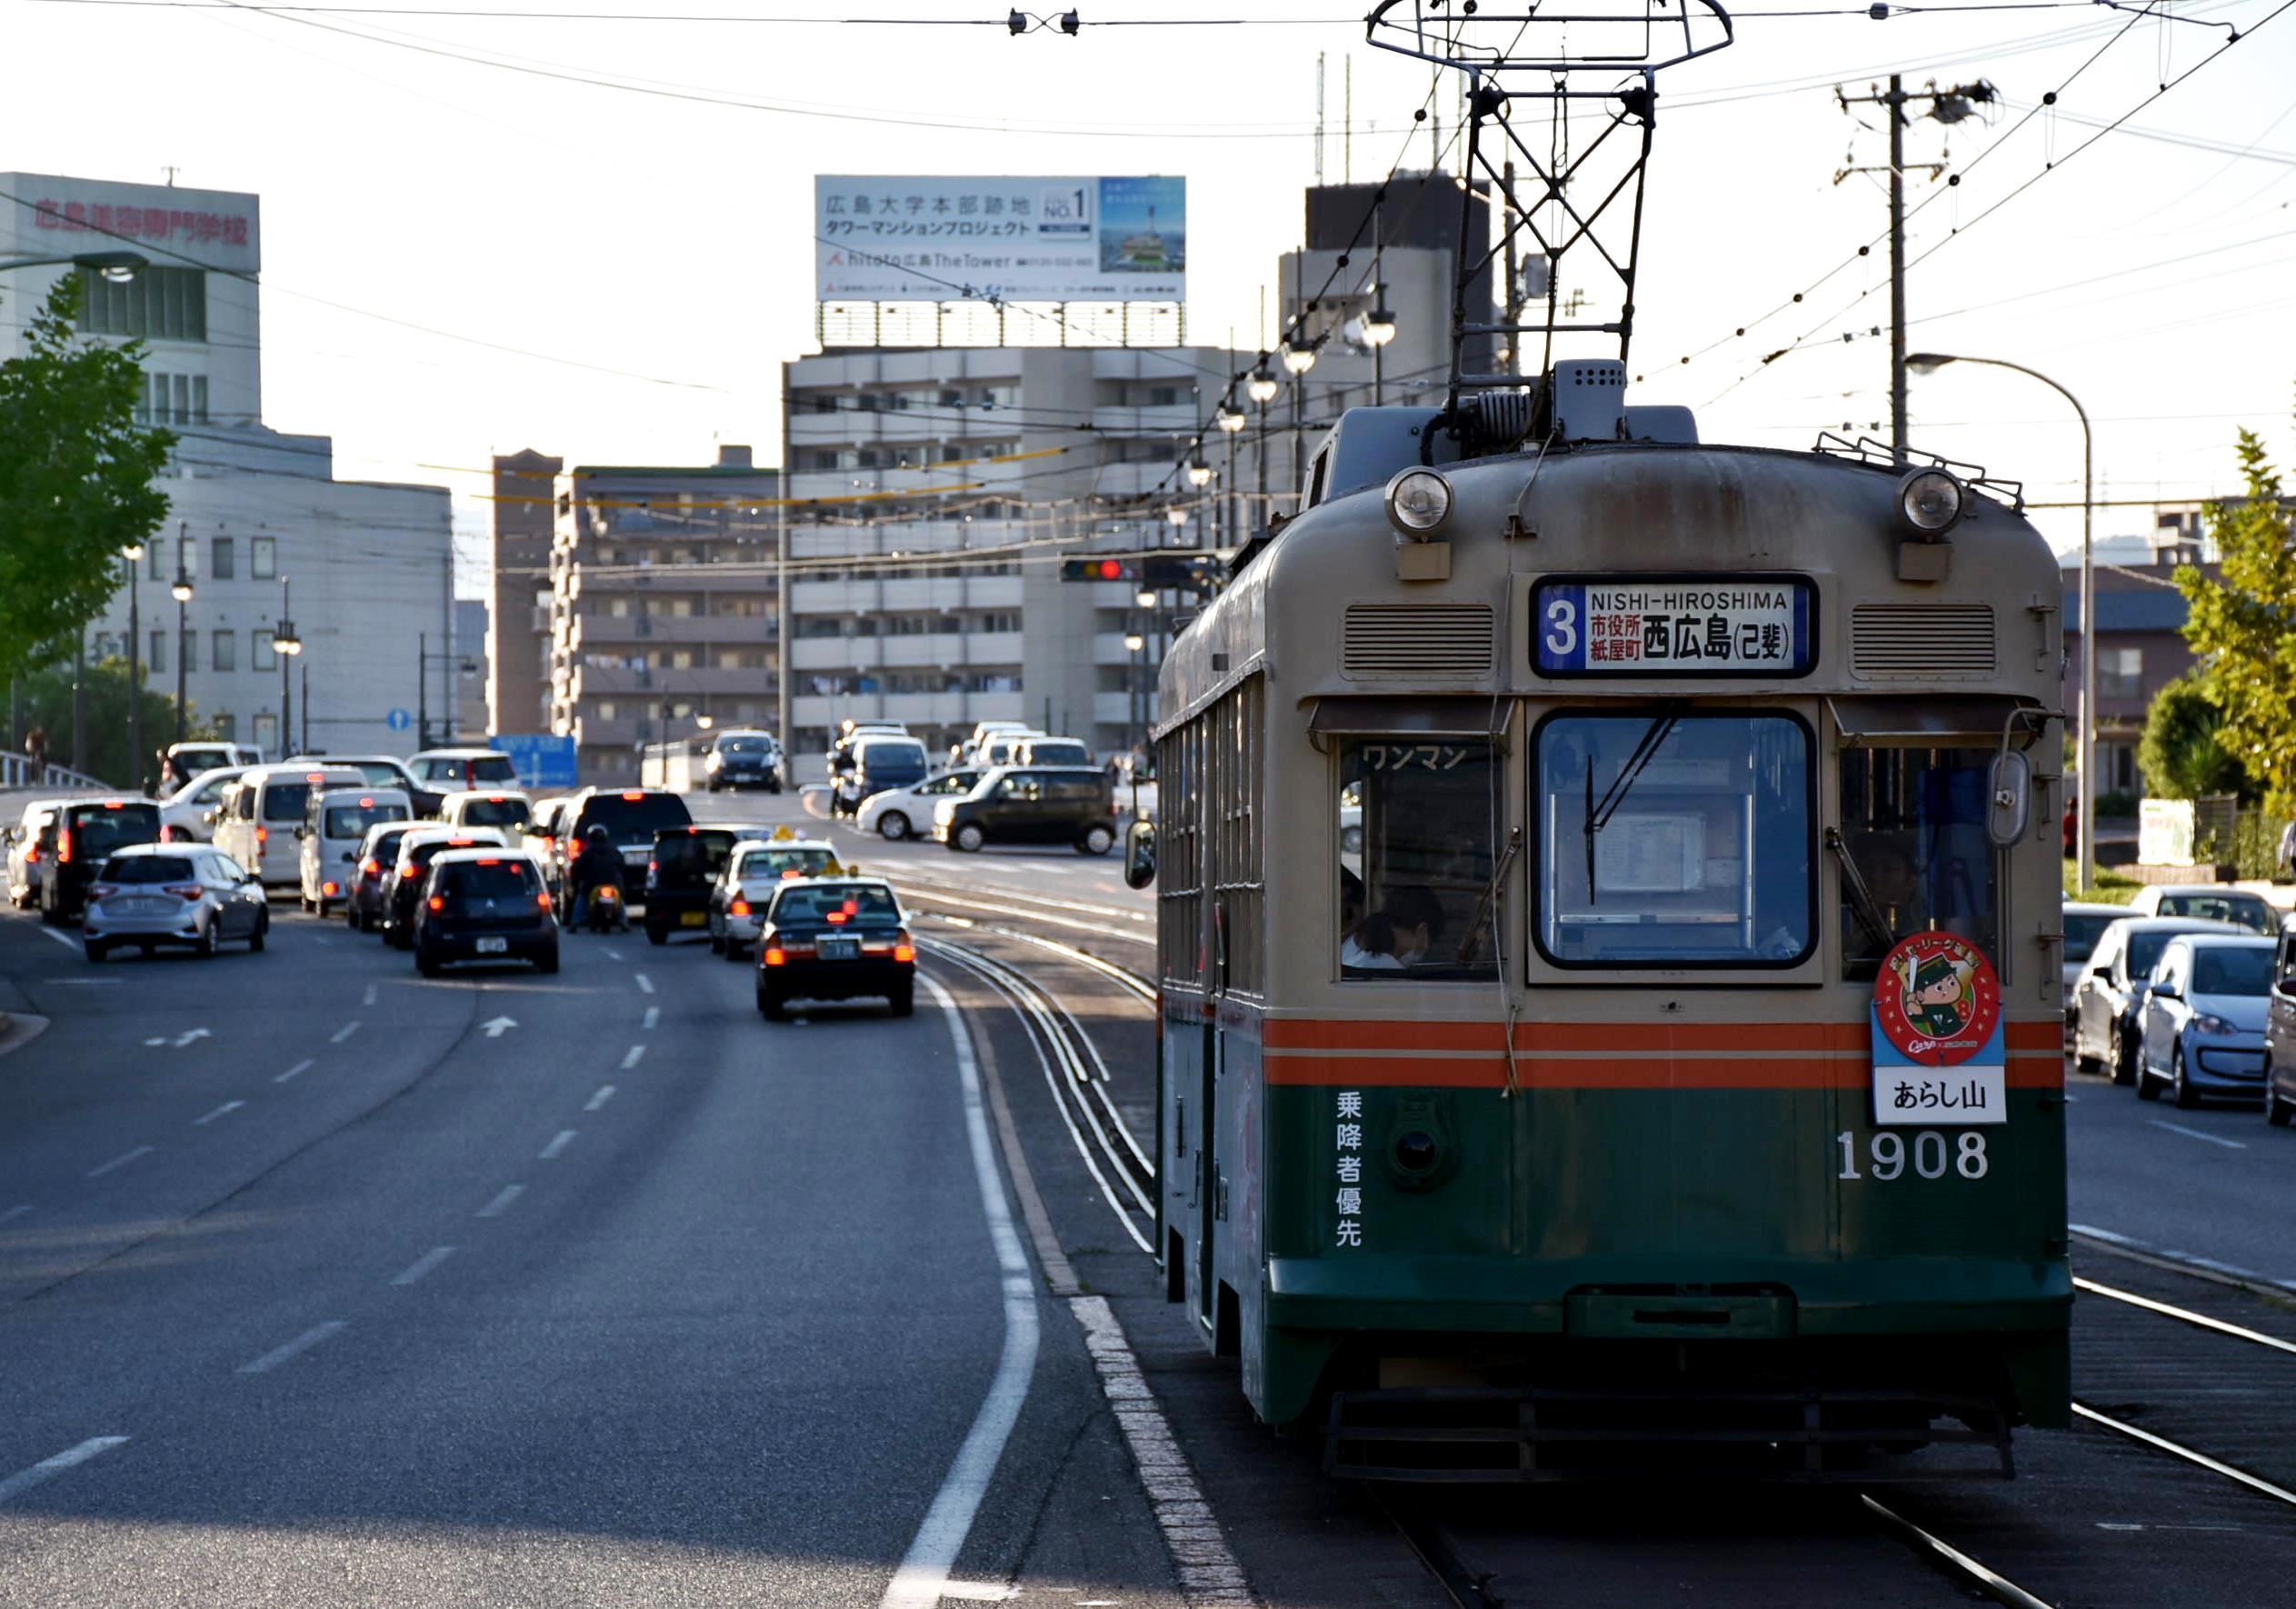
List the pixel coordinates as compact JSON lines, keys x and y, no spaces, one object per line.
{"x":1913,"y":837}
{"x":1418,"y":823}
{"x":1675,"y":839}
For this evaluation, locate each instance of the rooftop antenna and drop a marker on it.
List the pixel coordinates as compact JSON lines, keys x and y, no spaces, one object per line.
{"x":1589,"y":197}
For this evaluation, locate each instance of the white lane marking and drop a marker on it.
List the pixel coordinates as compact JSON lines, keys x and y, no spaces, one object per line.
{"x":226,"y":1108}
{"x":187,"y":1036}
{"x":646,"y":984}
{"x":345,"y":1031}
{"x":564,"y":1139}
{"x":121,"y":1161}
{"x":89,"y":982}
{"x":2104,"y":1234}
{"x":923,"y":1574}
{"x":65,"y":940}
{"x":613,"y":955}
{"x":161,"y":1040}
{"x":1207,"y":1570}
{"x":14,"y":1213}
{"x":606,"y":1093}
{"x":652,"y":1015}
{"x":632,"y":1057}
{"x":2195,"y":1134}
{"x":998,"y":1591}
{"x":300,"y":1345}
{"x":369,"y":999}
{"x":302,"y":1066}
{"x":23,"y":1480}
{"x":501,"y":1203}
{"x":421,"y":1265}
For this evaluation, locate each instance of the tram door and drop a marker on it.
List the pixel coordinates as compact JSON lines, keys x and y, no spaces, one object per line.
{"x":1208,"y":1202}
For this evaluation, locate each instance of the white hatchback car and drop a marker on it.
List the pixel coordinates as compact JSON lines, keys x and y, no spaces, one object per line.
{"x":907,"y":813}
{"x":182,"y":815}
{"x":754,"y":868}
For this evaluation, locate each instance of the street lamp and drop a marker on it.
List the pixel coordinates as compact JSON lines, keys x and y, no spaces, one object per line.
{"x":119,"y":267}
{"x":1178,"y":514}
{"x":1379,"y":328}
{"x":1261,"y":387}
{"x":1231,"y":422}
{"x":1199,"y":474}
{"x":1297,"y":360}
{"x":2085,"y":803}
{"x":1145,"y":598}
{"x":133,"y":554}
{"x":286,"y":644}
{"x":182,"y":591}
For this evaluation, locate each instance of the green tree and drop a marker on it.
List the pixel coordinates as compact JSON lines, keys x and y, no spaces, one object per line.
{"x":47,"y":702}
{"x":76,"y":479}
{"x":2243,"y":628}
{"x":2182,"y":752}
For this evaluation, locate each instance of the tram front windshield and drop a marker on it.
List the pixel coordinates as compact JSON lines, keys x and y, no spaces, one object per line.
{"x":1418,"y":829}
{"x":1915,"y":852}
{"x":1675,"y":838}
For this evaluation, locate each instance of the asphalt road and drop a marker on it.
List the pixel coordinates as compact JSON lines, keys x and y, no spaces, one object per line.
{"x":320,"y":1283}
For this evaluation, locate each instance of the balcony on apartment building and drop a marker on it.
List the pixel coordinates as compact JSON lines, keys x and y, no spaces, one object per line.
{"x":822,"y":712}
{"x":978,"y":650}
{"x":633,"y":631}
{"x":904,"y":594}
{"x":609,"y":681}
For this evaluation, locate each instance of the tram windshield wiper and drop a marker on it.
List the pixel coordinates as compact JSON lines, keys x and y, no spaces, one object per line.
{"x":1598,"y":814}
{"x":1867,"y":909}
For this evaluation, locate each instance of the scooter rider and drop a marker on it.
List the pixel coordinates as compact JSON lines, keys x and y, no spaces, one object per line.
{"x":597,"y":865}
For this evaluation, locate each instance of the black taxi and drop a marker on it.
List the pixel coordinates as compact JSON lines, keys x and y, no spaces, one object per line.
{"x":834,"y":939}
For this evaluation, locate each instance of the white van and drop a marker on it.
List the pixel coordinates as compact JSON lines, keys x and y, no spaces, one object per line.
{"x":334,"y":825}
{"x":257,"y":821}
{"x":507,"y":808}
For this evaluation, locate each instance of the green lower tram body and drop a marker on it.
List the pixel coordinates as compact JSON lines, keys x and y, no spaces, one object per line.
{"x":1548,"y":1279}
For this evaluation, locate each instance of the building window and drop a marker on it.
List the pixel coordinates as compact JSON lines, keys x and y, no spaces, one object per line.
{"x":156,"y":660}
{"x":266,"y":656}
{"x":606,"y":709}
{"x":226,"y":726}
{"x":158,"y":303}
{"x":2121,"y":673}
{"x":267,"y":734}
{"x":190,"y":649}
{"x":226,"y":651}
{"x":153,"y":559}
{"x":263,"y":558}
{"x":224,"y":568}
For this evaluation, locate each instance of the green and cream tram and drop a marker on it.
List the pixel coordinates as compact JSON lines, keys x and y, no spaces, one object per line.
{"x":1608,"y":920}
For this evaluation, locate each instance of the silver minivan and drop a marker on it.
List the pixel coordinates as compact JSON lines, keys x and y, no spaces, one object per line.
{"x":334,"y":827}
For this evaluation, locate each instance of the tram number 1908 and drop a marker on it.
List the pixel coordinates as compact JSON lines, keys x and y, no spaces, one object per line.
{"x":1887,"y":1153}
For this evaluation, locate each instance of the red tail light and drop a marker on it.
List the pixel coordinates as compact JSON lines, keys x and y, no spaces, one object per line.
{"x":487,"y":861}
{"x":263,"y":834}
{"x":438,"y":902}
{"x":633,"y":797}
{"x":113,"y":804}
{"x":63,"y":849}
{"x":371,"y":867}
{"x":329,"y":890}
{"x":775,"y":955}
{"x":32,"y":855}
{"x":189,"y":891}
{"x":790,"y":873}
{"x":104,"y":890}
{"x":366,"y":803}
{"x":541,"y":900}
{"x":904,"y":949}
{"x":838,"y":918}
{"x":405,"y":868}
{"x":651,"y":865}
{"x":740,"y":907}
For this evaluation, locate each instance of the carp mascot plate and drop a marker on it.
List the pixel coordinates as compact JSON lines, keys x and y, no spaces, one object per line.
{"x":1938,"y":1054}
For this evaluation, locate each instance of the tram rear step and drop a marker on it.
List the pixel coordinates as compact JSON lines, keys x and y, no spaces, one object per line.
{"x":1514,"y":1434}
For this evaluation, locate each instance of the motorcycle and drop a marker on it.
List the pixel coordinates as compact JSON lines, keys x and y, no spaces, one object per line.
{"x":606,"y":913}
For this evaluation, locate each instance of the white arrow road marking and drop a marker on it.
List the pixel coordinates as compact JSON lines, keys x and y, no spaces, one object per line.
{"x":301,"y":1343}
{"x":498,"y":1026}
{"x":186,"y":1037}
{"x":23,"y":1480}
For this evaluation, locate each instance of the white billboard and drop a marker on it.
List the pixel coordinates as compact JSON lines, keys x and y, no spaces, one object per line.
{"x":906,"y":239}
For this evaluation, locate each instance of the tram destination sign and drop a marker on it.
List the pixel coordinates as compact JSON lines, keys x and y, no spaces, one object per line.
{"x":1674,"y":625}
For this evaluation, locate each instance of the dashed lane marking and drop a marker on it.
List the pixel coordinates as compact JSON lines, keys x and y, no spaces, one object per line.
{"x":2195,"y":1134}
{"x":14,"y":1213}
{"x":345,"y":1031}
{"x":501,"y":1203}
{"x":652,"y":1015}
{"x":295,"y":1348}
{"x":421,"y":1265}
{"x":62,"y":939}
{"x":224,"y":1110}
{"x":369,"y":999}
{"x":613,"y":955}
{"x":302,"y":1066}
{"x":606,"y":1093}
{"x":565,"y":1138}
{"x":23,"y":1480}
{"x":646,"y":983}
{"x":632,"y":1057}
{"x":121,"y":1161}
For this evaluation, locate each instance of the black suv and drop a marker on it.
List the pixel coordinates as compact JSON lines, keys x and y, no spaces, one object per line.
{"x":827,"y":939}
{"x":481,"y":903}
{"x":80,"y":839}
{"x":630,"y":817}
{"x":678,"y":878}
{"x":1032,"y":804}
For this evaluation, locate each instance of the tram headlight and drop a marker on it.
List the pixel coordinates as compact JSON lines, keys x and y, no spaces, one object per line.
{"x":1931,"y":502}
{"x":1418,"y":503}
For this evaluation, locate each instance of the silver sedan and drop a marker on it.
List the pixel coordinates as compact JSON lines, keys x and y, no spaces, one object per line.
{"x":172,"y":894}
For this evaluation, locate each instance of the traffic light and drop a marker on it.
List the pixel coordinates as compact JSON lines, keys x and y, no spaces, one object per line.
{"x":1124,"y":568}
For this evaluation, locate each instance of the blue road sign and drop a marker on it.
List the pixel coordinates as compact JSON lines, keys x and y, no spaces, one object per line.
{"x":398,"y":720}
{"x":540,"y":759}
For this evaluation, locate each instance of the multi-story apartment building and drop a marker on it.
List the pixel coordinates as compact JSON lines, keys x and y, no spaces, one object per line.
{"x":518,"y":613}
{"x":662,"y":608}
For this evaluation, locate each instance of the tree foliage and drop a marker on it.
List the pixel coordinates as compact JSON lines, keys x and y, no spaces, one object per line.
{"x":76,"y":479}
{"x":47,"y":702}
{"x":2242,"y":628}
{"x":2182,"y":752}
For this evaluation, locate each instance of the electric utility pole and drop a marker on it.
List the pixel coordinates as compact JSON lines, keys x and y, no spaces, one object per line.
{"x":1947,"y":106}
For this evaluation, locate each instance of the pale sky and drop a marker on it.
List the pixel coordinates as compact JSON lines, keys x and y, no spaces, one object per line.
{"x":670,"y":239}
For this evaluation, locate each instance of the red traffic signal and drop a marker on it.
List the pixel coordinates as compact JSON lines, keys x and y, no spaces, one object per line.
{"x":1100,"y":569}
